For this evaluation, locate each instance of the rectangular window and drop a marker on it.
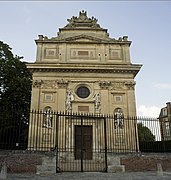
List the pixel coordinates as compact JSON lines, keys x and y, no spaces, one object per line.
{"x":164,"y":111}
{"x":48,"y":97}
{"x":118,"y":98}
{"x":167,"y":129}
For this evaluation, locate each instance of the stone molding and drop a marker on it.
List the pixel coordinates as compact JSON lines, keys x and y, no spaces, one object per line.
{"x":130,"y":85}
{"x":84,"y":36}
{"x":48,"y":84}
{"x":92,"y":39}
{"x":37,"y":83}
{"x":62,"y":83}
{"x":104,"y":84}
{"x":76,"y":70}
{"x":118,"y":86}
{"x":112,"y":85}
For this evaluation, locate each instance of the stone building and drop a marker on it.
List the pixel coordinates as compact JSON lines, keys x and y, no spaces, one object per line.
{"x":165,"y":122}
{"x":84,"y":70}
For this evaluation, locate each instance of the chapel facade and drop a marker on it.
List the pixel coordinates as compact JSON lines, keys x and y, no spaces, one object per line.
{"x":83,"y":70}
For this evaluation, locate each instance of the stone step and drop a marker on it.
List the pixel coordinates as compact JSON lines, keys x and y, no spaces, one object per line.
{"x":116,"y":168}
{"x":48,"y":166}
{"x":113,"y":160}
{"x":49,"y":160}
{"x":41,"y":169}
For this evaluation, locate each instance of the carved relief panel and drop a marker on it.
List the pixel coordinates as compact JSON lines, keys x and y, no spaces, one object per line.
{"x":82,"y":53}
{"x":115,"y":54}
{"x":45,"y":84}
{"x":49,"y":84}
{"x":51,"y":53}
{"x":118,"y":86}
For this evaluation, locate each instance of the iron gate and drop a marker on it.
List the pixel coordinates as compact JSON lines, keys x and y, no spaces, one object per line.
{"x":81,"y":143}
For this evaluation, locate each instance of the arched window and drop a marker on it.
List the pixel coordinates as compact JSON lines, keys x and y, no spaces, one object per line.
{"x":47,"y":117}
{"x":118,"y":118}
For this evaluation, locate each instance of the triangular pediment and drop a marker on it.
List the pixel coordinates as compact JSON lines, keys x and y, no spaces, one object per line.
{"x":85,"y":38}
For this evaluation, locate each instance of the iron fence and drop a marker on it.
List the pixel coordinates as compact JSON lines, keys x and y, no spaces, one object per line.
{"x":14,"y":128}
{"x":47,"y":131}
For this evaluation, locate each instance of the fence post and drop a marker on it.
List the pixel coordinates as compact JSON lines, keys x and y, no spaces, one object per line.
{"x":162,"y":138}
{"x":105,"y":138}
{"x":81,"y":143}
{"x":56,"y":145}
{"x":136,"y":134}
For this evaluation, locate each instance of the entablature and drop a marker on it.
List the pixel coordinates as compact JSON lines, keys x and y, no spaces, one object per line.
{"x":89,"y":68}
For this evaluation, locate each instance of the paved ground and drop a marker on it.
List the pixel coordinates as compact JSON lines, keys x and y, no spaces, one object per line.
{"x":94,"y":176}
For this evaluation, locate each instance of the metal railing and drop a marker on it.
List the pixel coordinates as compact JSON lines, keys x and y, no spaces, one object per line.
{"x":47,"y":131}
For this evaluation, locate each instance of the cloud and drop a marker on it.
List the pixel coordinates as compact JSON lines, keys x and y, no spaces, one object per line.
{"x":152,"y":111}
{"x":163,"y":85}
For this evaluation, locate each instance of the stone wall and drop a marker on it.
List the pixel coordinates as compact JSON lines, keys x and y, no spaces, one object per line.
{"x":146,"y":162}
{"x":21,"y":161}
{"x":45,"y":162}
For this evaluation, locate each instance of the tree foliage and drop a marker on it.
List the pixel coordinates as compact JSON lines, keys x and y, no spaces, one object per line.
{"x":15,"y":79}
{"x":145,"y":134}
{"x":15,"y":93}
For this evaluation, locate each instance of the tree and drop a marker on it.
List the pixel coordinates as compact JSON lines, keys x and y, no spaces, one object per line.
{"x":15,"y":93}
{"x":145,"y":134}
{"x":15,"y":79}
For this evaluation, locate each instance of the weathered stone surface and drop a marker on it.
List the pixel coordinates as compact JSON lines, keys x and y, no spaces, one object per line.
{"x":3,"y":174}
{"x":113,"y":159}
{"x":159,"y":169}
{"x":20,"y":161}
{"x":116,"y":168}
{"x":146,"y":162}
{"x":48,"y":165}
{"x":42,"y":163}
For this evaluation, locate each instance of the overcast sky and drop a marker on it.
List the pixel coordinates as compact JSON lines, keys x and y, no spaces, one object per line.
{"x":147,"y":24}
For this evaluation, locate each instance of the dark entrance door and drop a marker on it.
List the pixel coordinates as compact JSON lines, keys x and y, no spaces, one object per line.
{"x":83,"y":142}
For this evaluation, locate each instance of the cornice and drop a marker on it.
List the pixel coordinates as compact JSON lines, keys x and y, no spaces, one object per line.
{"x":70,"y":68}
{"x":78,"y":39}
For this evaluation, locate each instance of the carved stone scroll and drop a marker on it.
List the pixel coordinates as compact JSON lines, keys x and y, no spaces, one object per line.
{"x":62,"y":83}
{"x":104,"y":84}
{"x":37,"y":83}
{"x":130,"y":85}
